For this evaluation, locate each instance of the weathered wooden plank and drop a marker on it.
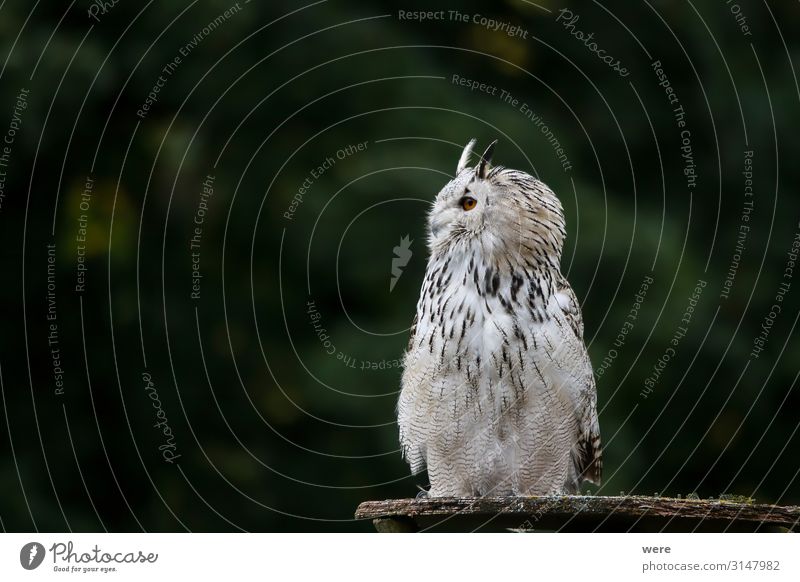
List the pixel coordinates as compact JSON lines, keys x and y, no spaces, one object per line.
{"x":577,"y":513}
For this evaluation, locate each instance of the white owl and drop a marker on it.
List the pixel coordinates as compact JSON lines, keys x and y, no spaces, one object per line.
{"x":498,"y":395}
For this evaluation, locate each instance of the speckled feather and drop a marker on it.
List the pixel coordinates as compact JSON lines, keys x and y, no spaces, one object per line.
{"x":498,"y":395}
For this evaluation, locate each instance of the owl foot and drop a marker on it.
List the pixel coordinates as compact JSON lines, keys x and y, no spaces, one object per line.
{"x":422,"y":494}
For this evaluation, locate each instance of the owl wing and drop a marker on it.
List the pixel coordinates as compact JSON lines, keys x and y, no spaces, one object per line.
{"x":587,"y":454}
{"x":407,"y":412}
{"x":570,"y":307}
{"x":412,"y":332}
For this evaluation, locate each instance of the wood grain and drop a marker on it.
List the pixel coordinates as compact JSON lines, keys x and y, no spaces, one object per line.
{"x":577,"y":513}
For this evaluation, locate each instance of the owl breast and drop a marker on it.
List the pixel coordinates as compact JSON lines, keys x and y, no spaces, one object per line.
{"x":488,"y":392}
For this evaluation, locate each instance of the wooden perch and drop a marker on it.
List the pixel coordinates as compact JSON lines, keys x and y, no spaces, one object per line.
{"x":577,"y":513}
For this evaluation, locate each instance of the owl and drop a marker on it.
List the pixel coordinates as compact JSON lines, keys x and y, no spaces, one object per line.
{"x":498,"y":395}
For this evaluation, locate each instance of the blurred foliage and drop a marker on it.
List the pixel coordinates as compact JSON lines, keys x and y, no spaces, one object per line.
{"x":274,"y":432}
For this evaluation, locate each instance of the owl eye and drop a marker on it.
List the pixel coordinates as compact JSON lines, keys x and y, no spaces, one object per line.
{"x":468,"y":203}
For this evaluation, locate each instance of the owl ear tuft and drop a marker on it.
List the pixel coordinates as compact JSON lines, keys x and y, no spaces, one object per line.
{"x":486,"y":160}
{"x":462,"y":161}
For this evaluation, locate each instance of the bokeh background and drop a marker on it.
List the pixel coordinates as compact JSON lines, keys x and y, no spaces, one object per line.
{"x":277,"y":384}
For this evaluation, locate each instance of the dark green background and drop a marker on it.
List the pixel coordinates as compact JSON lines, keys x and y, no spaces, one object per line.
{"x":273,"y":432}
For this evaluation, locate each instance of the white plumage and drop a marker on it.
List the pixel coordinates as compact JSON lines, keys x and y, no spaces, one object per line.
{"x":498,"y":395}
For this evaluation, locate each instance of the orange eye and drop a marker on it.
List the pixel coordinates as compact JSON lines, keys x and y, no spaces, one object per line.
{"x":468,"y":203}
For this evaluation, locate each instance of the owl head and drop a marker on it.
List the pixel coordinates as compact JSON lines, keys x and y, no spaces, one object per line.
{"x":506,"y":214}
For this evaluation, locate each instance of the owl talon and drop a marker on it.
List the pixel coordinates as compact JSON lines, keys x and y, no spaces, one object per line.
{"x":422,"y":494}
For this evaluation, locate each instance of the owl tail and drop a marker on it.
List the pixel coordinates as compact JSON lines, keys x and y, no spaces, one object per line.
{"x":589,"y":459}
{"x":587,"y":453}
